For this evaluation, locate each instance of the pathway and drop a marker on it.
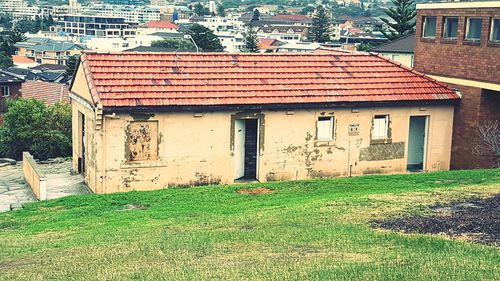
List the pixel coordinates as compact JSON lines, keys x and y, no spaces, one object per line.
{"x":60,"y":183}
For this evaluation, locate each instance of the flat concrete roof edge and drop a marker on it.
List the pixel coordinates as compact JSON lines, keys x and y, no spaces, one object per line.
{"x":458,"y":5}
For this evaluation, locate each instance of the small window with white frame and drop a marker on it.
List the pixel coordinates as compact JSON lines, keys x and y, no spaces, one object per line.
{"x":324,"y":131}
{"x":5,"y":91}
{"x":473,"y":29}
{"x":429,"y":27}
{"x":495,"y":30}
{"x":380,"y":127}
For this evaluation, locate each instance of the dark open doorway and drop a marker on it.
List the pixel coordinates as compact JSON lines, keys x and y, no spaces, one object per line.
{"x":81,"y":143}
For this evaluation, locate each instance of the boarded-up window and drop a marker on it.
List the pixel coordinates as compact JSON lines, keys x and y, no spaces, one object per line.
{"x":142,"y":141}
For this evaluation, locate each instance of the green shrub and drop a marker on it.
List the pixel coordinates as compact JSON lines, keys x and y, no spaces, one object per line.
{"x":30,"y":125}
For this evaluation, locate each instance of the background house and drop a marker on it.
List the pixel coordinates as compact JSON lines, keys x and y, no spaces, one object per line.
{"x":401,"y":50}
{"x":47,"y":51}
{"x":165,"y":119}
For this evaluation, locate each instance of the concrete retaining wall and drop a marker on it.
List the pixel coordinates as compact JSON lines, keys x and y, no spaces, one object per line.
{"x":34,"y":177}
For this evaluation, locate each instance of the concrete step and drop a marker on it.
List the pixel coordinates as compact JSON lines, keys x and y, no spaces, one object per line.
{"x":4,"y":208}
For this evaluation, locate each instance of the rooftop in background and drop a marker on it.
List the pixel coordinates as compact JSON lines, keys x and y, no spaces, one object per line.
{"x":7,"y":78}
{"x":225,"y":79}
{"x":303,"y":18}
{"x":49,"y":67}
{"x":160,"y":24}
{"x":57,"y":47}
{"x":459,"y":5}
{"x":49,"y":93}
{"x":168,"y":34}
{"x":156,"y":49}
{"x":17,"y":59}
{"x":404,"y":44}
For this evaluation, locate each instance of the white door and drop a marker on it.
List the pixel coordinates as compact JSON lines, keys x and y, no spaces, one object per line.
{"x":239,"y":148}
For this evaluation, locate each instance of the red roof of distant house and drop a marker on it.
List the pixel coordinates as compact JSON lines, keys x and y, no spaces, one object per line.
{"x":49,"y":93}
{"x":291,"y":17}
{"x":17,"y":59}
{"x":161,"y":24}
{"x":195,"y":79}
{"x":268,"y":43}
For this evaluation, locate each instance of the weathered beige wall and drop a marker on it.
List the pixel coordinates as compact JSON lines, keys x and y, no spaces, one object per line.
{"x":196,"y":150}
{"x":36,"y":180}
{"x":81,"y":103}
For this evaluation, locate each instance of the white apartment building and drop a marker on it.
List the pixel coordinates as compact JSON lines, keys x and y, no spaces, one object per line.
{"x":140,"y":14}
{"x":121,"y":44}
{"x":86,"y":27}
{"x":231,"y":41}
{"x":220,"y":24}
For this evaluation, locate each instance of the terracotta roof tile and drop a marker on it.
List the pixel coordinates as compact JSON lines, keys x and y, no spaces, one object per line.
{"x":173,"y":79}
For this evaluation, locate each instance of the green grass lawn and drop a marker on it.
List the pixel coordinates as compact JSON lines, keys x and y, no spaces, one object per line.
{"x":306,"y":230}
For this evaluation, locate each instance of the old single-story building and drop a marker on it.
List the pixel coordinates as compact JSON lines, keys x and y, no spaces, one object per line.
{"x":145,"y":121}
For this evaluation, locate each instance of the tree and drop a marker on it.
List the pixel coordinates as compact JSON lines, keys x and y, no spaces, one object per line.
{"x":71,"y":65}
{"x":221,"y":12}
{"x":205,"y":39}
{"x":251,"y":41}
{"x":5,"y":61}
{"x":319,"y":31}
{"x":402,"y":19}
{"x":306,"y":10}
{"x":6,"y":20}
{"x":6,"y":48}
{"x":28,"y":26}
{"x":201,"y":10}
{"x":256,"y":15}
{"x":30,"y":125}
{"x":16,"y":36}
{"x":364,"y":47}
{"x":488,"y":146}
{"x":177,"y":44}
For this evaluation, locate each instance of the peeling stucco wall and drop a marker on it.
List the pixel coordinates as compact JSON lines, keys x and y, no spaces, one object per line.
{"x":195,"y":149}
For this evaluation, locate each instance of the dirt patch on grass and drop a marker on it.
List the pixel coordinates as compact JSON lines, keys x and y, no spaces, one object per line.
{"x":8,"y":265}
{"x":476,"y":219}
{"x":134,"y":206}
{"x":256,"y":191}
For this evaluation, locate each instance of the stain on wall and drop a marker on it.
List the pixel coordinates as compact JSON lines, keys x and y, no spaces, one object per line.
{"x":382,"y":151}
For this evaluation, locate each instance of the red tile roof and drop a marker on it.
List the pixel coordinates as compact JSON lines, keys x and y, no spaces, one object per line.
{"x":161,"y":24}
{"x":49,"y":93}
{"x":192,"y":79}
{"x":291,"y":17}
{"x":268,"y":43}
{"x":17,"y":59}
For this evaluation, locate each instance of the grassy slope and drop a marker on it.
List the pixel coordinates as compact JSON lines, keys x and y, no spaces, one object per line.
{"x":306,"y":230}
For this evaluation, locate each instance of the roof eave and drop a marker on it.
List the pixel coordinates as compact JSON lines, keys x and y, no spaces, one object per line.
{"x":281,"y":106}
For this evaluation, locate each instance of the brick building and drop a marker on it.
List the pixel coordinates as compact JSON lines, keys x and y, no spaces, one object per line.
{"x":458,"y":43}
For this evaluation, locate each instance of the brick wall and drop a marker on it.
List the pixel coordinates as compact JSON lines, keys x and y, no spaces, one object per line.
{"x":459,"y":58}
{"x":477,"y":106}
{"x":15,"y":92}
